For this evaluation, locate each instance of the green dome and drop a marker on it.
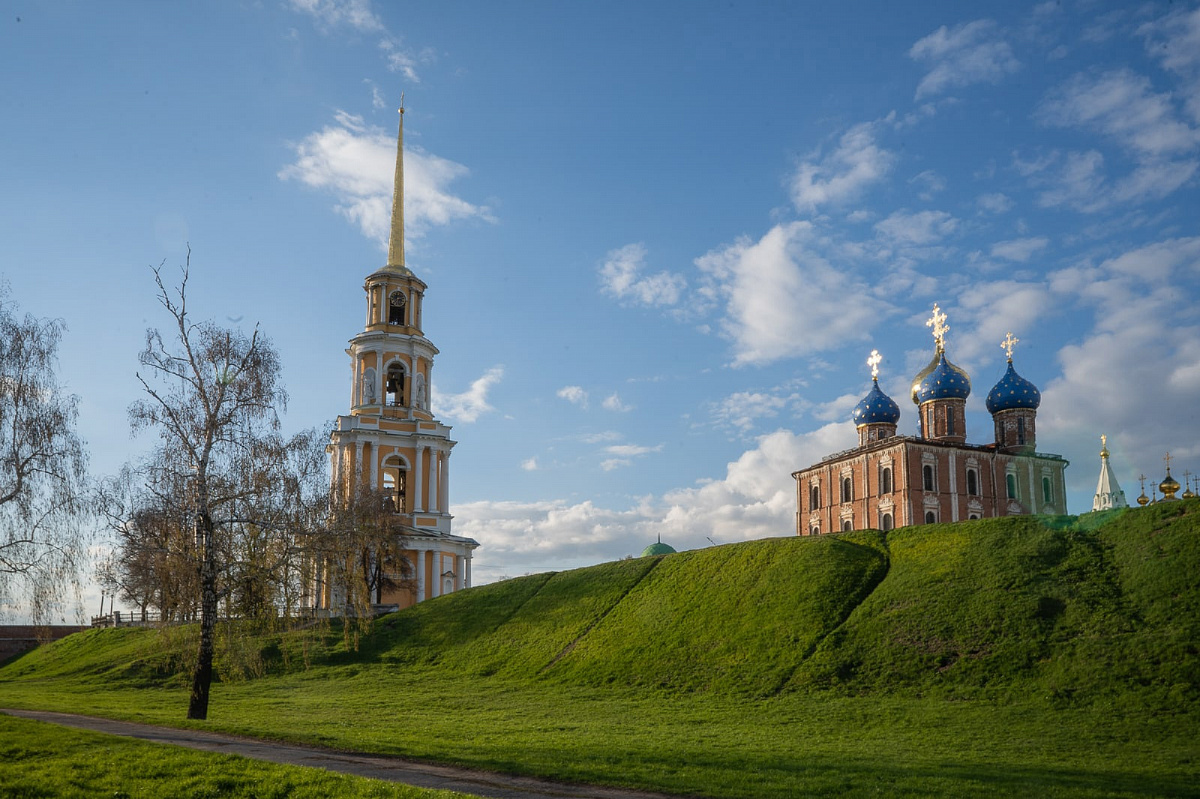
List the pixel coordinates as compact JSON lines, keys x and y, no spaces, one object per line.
{"x":658,"y":549}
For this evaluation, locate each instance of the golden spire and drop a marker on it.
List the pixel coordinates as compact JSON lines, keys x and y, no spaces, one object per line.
{"x":873,"y":362}
{"x":940,"y":328}
{"x":1010,"y":341}
{"x":1103,"y":444}
{"x":396,"y":241}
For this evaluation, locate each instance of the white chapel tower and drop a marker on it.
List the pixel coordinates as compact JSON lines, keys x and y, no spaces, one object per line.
{"x":391,"y":441}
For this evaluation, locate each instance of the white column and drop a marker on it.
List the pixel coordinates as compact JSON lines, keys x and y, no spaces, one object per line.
{"x":436,"y":588}
{"x":418,"y":473}
{"x":358,"y":465}
{"x":460,"y":578}
{"x":434,"y":501}
{"x":375,"y":467}
{"x":467,"y":580}
{"x":420,"y":575}
{"x":445,"y":482}
{"x":953,"y":486}
{"x":383,"y":303}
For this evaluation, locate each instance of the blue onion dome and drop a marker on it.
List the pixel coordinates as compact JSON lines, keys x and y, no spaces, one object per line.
{"x":1013,"y":391}
{"x":875,"y":408}
{"x":946,"y":381}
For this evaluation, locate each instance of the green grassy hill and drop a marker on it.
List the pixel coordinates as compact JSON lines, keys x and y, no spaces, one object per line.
{"x":1084,"y":630}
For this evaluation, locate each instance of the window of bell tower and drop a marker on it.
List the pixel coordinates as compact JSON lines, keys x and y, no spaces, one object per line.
{"x":396,"y":308}
{"x":395,"y":485}
{"x":395,"y":385}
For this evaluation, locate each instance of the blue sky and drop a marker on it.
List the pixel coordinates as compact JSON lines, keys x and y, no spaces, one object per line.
{"x":660,"y":239}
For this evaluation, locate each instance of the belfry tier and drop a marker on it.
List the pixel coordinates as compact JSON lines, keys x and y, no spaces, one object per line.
{"x":390,"y":442}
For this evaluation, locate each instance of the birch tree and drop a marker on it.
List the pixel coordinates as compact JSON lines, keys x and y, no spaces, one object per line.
{"x":43,"y":530}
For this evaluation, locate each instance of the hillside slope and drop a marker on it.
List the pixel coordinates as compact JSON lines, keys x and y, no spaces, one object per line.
{"x":991,"y":608}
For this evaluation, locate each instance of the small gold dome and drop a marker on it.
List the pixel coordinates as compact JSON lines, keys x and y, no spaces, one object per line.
{"x":1169,"y":486}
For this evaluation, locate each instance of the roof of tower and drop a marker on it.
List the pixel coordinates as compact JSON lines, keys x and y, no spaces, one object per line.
{"x":943,"y":381}
{"x":395,"y":262}
{"x":1108,"y":490}
{"x":1013,"y":391}
{"x":876,"y":408}
{"x":658,"y":548}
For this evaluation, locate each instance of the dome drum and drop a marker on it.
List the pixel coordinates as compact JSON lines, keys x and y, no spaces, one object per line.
{"x":1016,"y":430}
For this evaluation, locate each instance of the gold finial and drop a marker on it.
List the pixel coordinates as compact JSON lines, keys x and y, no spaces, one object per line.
{"x":396,"y":240}
{"x":940,"y":328}
{"x":873,"y":362}
{"x":1010,"y":341}
{"x":1143,"y":499}
{"x":1103,"y":446}
{"x":1167,"y":460}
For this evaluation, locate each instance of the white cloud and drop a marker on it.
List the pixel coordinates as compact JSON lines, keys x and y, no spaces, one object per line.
{"x":927,"y":183}
{"x":356,"y":162}
{"x":613,"y":403}
{"x":600,"y":438}
{"x":574,"y":395}
{"x":996,"y":203}
{"x":917,"y":229}
{"x":986,"y":311}
{"x":960,"y":56}
{"x":1124,"y":106}
{"x":472,"y":403}
{"x":755,"y":499}
{"x":1175,"y":41}
{"x":631,"y":450}
{"x":614,"y":463}
{"x":744,"y":409}
{"x":781,"y":299}
{"x":620,"y":277}
{"x":529,"y":464}
{"x":856,"y":163}
{"x":1019,"y":249}
{"x":356,"y":14}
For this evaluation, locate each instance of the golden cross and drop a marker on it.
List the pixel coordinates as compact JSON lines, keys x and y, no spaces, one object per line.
{"x":940,"y":328}
{"x":1167,"y":458}
{"x":873,"y":362}
{"x":401,"y":102}
{"x":1009,"y":342}
{"x":1103,"y":441}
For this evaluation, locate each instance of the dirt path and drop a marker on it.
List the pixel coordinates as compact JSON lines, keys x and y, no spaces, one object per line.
{"x":422,"y":775}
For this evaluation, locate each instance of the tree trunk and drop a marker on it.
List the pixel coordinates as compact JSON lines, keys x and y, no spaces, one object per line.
{"x":202,"y":675}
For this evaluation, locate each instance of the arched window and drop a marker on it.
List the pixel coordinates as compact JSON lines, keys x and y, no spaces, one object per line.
{"x":847,"y":489}
{"x":927,"y":474}
{"x":397,"y":305}
{"x":395,"y":485}
{"x":885,"y":522}
{"x":1010,"y":481}
{"x":949,"y":421}
{"x":1020,"y":429}
{"x":930,"y":517}
{"x":814,"y":530}
{"x":885,"y":480}
{"x":972,"y":517}
{"x":1047,"y":493}
{"x":847,"y":526}
{"x":814,"y":496}
{"x":395,"y":384}
{"x":972,"y":483}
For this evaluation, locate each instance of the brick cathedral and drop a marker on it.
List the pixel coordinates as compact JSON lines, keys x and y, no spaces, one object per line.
{"x":890,"y":481}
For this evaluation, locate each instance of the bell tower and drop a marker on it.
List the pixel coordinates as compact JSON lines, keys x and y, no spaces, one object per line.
{"x":390,"y":441}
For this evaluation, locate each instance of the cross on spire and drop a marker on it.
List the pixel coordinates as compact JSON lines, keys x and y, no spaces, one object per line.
{"x":873,"y":362}
{"x":1167,"y":459}
{"x":1010,"y":341}
{"x":940,"y":328}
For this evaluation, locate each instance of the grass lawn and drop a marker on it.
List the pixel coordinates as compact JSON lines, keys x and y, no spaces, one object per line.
{"x":1003,"y":658}
{"x":45,"y":760}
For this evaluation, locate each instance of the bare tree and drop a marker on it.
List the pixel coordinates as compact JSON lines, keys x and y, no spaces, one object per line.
{"x":43,"y":535}
{"x":221,"y":467}
{"x":360,"y":552}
